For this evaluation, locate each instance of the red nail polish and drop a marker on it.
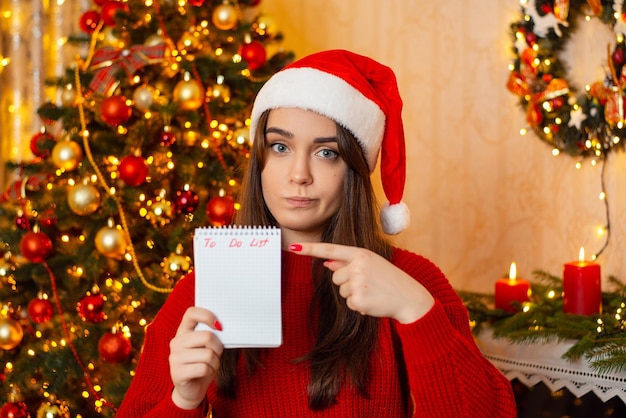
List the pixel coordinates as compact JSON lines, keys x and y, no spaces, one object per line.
{"x":217,"y":325}
{"x":295,"y":247}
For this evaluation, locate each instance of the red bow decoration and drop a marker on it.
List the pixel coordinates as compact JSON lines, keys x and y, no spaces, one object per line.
{"x":17,"y":189}
{"x":108,"y":61}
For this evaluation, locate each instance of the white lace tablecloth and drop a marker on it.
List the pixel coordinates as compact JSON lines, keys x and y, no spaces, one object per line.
{"x":542,"y":362}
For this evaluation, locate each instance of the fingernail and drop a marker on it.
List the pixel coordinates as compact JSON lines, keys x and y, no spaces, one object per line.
{"x":295,"y":247}
{"x":217,"y":325}
{"x":327,"y":262}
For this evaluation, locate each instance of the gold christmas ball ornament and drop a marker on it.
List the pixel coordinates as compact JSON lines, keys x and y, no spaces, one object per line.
{"x":66,"y":155}
{"x":153,"y":40}
{"x":225,"y":16}
{"x":265,"y":26}
{"x":111,"y":242}
{"x":68,"y":96}
{"x":111,"y":37}
{"x":11,"y":333}
{"x":219,"y":92}
{"x":163,"y":89}
{"x":53,"y":409}
{"x":144,"y":96}
{"x":188,"y":93}
{"x":191,"y":137}
{"x":15,"y":394}
{"x":241,"y":136}
{"x":176,"y":265}
{"x":188,"y":42}
{"x":83,"y":199}
{"x":160,"y":213}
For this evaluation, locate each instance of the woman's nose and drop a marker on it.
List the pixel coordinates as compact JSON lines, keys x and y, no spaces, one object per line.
{"x":300,"y":171}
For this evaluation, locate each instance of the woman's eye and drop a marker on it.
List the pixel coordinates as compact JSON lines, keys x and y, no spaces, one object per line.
{"x":278,"y":147}
{"x":328,"y":153}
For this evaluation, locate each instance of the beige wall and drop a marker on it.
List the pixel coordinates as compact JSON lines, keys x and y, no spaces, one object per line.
{"x":481,"y":195}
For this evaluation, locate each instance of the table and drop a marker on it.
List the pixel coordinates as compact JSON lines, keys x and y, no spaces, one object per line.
{"x":543,"y":362}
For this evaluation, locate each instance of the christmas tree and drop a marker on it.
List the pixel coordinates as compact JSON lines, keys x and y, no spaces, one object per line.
{"x":145,"y":144}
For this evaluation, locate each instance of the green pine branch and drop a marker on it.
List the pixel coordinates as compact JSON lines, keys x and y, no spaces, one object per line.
{"x":599,"y":339}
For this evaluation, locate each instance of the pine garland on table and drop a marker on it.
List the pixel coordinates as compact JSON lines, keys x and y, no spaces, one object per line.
{"x":600,"y":339}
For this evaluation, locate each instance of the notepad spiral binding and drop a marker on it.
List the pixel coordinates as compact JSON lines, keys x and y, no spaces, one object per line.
{"x":238,"y":230}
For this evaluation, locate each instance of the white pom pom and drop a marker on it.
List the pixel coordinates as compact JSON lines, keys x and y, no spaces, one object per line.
{"x":395,"y":218}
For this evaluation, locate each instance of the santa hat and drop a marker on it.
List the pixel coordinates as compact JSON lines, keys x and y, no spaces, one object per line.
{"x":362,"y":96}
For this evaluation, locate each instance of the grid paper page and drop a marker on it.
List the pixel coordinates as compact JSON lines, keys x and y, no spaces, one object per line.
{"x":238,"y":277}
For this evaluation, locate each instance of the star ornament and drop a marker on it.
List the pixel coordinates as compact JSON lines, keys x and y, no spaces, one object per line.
{"x":577,"y":116}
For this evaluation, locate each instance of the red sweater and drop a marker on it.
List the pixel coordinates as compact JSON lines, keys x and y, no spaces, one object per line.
{"x":447,"y":374}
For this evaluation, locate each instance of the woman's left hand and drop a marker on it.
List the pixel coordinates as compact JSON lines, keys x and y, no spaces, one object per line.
{"x":370,"y":284}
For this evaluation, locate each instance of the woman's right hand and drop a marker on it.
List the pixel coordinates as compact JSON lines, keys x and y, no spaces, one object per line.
{"x":194,"y":358}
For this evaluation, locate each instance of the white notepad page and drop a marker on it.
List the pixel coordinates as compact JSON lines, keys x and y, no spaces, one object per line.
{"x":238,"y":273}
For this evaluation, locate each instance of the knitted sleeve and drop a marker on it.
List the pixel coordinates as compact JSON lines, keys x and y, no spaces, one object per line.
{"x":448,"y":375}
{"x":149,"y":394}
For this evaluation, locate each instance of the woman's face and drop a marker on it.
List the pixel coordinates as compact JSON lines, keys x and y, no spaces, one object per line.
{"x":303,"y":176}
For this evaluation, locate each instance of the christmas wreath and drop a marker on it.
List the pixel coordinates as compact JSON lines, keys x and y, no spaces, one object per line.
{"x":588,"y":122}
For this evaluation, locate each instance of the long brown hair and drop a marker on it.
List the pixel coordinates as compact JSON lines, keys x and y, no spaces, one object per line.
{"x":344,"y":339}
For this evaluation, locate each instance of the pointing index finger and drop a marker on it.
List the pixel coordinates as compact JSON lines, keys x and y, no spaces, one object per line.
{"x":324,"y":250}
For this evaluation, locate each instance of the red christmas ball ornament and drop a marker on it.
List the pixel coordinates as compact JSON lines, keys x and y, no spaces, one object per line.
{"x":40,"y":310}
{"x":254,"y":3}
{"x":220,"y":210}
{"x":546,"y":8}
{"x":109,"y":9}
{"x":531,"y":38}
{"x":254,"y":54}
{"x":557,"y":103}
{"x":115,"y":111}
{"x":41,"y":144}
{"x":89,"y":21}
{"x":197,"y":3}
{"x":166,"y":137}
{"x":48,"y":218}
{"x":91,"y":308}
{"x":36,"y":246}
{"x":618,"y":57}
{"x":22,"y":222}
{"x":186,"y":201}
{"x":14,"y":410}
{"x":114,"y":347}
{"x":99,"y":2}
{"x":133,"y":170}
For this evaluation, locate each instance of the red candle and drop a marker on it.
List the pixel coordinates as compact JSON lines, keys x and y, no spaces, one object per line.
{"x":511,"y":289}
{"x":582,"y":291}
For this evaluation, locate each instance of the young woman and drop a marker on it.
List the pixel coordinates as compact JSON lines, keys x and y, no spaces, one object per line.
{"x":369,"y":330}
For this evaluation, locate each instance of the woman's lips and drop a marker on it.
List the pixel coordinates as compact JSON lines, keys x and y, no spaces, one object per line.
{"x":299,"y":202}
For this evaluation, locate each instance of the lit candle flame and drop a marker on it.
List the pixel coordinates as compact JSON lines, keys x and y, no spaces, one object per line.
{"x":513,"y":271}
{"x":581,"y":254}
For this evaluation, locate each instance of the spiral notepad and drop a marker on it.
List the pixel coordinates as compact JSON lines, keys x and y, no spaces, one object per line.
{"x":237,"y":273}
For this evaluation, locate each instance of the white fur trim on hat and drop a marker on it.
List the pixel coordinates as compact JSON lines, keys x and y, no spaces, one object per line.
{"x":395,"y":218}
{"x":328,"y":95}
